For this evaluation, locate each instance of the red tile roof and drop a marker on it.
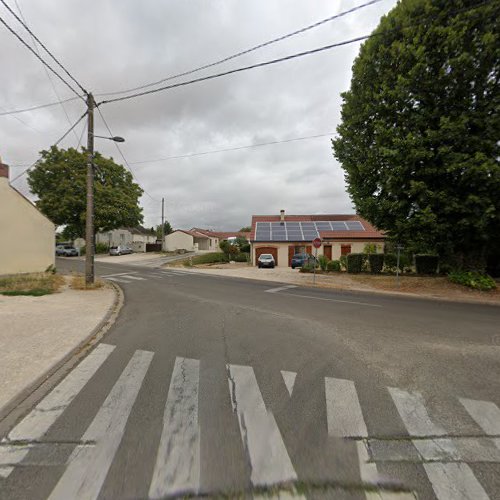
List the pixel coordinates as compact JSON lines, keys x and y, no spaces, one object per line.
{"x":370,"y":231}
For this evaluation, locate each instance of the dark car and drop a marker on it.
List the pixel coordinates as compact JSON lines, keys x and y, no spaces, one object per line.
{"x":299,"y":259}
{"x":66,"y":251}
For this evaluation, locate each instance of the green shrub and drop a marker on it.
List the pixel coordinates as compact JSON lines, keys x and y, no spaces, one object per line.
{"x":241,"y":257}
{"x":355,"y":262}
{"x":323,"y":262}
{"x":307,"y":268}
{"x":101,"y":248}
{"x":390,"y":261}
{"x":376,"y":262}
{"x":472,"y":279}
{"x":370,"y":248}
{"x":209,"y":258}
{"x":343,"y":262}
{"x":426,"y":263}
{"x":333,"y":265}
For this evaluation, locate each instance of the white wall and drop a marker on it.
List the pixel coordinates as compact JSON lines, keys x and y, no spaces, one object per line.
{"x":179,"y":240}
{"x":27,"y":238}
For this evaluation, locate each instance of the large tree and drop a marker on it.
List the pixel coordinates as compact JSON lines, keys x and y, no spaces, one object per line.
{"x":59,"y":181}
{"x":420,"y":128}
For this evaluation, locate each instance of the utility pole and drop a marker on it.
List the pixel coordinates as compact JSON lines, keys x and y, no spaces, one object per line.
{"x":162,"y":221}
{"x":89,"y":227}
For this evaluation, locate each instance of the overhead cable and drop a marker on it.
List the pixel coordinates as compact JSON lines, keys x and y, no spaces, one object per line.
{"x":23,"y":23}
{"x":39,"y":106}
{"x":247,"y":51}
{"x":122,"y":155}
{"x":55,"y":144}
{"x":236,"y":148}
{"x":39,"y":58}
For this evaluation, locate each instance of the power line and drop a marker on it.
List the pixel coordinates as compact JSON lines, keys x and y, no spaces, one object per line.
{"x":247,"y":51}
{"x":23,"y":23}
{"x":38,"y":57}
{"x":23,"y":122}
{"x":282,"y":59}
{"x":39,"y":106}
{"x":55,"y":144}
{"x":236,"y":148}
{"x":33,"y":39}
{"x":122,"y":155}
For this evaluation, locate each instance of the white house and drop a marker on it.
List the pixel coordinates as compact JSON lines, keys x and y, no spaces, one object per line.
{"x":27,"y":236}
{"x":133,"y":237}
{"x":196,"y":239}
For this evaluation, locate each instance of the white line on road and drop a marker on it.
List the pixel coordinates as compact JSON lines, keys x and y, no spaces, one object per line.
{"x":332,"y":300}
{"x":130,"y":277}
{"x":343,"y":411}
{"x":47,"y":411}
{"x":449,"y":480}
{"x":486,"y":414}
{"x":118,"y":274}
{"x":280,"y":288}
{"x":119,"y":280}
{"x":260,"y":434}
{"x":177,"y":467}
{"x":289,"y":378}
{"x":88,"y":466}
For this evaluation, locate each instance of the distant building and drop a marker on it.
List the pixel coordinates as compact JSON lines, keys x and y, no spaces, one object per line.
{"x":27,"y":237}
{"x":196,"y":239}
{"x":134,"y":237}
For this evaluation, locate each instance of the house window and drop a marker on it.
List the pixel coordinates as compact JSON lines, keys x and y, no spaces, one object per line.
{"x":345,"y":249}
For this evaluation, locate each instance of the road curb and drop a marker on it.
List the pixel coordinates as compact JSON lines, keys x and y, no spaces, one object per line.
{"x":14,"y":409}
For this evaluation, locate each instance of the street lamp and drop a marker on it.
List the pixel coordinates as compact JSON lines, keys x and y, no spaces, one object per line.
{"x":89,"y":223}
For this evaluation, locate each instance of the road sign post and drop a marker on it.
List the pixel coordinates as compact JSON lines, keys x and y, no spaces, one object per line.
{"x":316,"y":244}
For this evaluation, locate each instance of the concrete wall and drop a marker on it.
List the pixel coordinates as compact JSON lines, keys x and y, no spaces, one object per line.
{"x":115,"y":237}
{"x":27,"y":238}
{"x":179,"y":241}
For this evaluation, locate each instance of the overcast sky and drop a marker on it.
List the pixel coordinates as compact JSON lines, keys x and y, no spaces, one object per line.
{"x":115,"y":45}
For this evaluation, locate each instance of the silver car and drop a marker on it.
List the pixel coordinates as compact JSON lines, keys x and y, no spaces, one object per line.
{"x":120,"y":250}
{"x":66,"y":251}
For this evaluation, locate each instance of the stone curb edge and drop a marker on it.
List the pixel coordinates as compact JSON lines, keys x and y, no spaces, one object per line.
{"x":14,"y":409}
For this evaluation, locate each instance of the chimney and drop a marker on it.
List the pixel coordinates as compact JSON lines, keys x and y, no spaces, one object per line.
{"x":4,"y":170}
{"x":282,"y":215}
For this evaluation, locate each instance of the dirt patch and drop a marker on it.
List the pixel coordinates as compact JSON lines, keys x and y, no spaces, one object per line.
{"x":35,"y":284}
{"x":77,"y":282}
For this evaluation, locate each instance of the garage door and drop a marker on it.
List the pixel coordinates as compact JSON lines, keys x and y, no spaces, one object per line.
{"x":272,"y":250}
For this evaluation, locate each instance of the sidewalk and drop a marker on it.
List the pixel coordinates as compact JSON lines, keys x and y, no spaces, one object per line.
{"x":37,"y":333}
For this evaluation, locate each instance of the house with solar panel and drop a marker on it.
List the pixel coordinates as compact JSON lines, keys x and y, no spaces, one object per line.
{"x":283,"y":236}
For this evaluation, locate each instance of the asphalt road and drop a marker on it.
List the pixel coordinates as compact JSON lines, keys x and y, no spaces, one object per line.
{"x":212,"y":385}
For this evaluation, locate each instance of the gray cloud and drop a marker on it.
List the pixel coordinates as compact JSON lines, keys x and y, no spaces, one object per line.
{"x":111,"y":45}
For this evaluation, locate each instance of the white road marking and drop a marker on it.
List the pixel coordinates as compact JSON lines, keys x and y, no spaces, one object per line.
{"x":177,"y":467}
{"x":5,"y":471}
{"x":487,"y":416}
{"x":117,"y":274}
{"x":343,"y":411}
{"x":454,"y":481}
{"x":130,"y":277}
{"x":280,"y":288}
{"x":259,"y":432}
{"x":47,"y":411}
{"x":449,"y":480}
{"x":88,"y":466}
{"x":332,"y":300}
{"x":119,"y":280}
{"x":289,"y":378}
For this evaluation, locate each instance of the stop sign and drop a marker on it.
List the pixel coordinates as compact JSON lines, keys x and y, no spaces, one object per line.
{"x":316,"y":242}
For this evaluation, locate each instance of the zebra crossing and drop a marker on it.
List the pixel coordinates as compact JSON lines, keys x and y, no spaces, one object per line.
{"x":138,"y":276}
{"x":444,"y":455}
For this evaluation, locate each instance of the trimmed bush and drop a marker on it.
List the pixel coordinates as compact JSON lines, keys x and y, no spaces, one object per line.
{"x":101,"y":248}
{"x":390,"y":261}
{"x":241,"y":257}
{"x":376,"y":262}
{"x":355,"y":262}
{"x":472,"y":279}
{"x":307,"y":268}
{"x":426,"y":263}
{"x":343,"y":262}
{"x":333,"y":265}
{"x":323,"y":262}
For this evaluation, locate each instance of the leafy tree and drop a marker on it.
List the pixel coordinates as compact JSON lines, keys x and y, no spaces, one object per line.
{"x":229,"y":249}
{"x":420,"y":126}
{"x":59,"y":181}
{"x":245,"y":229}
{"x":166,"y":227}
{"x":242,"y":244}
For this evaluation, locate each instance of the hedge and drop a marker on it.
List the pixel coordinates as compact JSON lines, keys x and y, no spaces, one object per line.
{"x":376,"y":261}
{"x":477,"y":281}
{"x":333,"y":265}
{"x":426,"y":263}
{"x":355,"y":262}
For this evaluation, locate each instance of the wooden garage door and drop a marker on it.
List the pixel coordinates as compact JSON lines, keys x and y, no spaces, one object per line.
{"x":272,"y":250}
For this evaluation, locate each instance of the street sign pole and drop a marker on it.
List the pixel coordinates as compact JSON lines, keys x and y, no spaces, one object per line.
{"x":399,"y":248}
{"x":316,"y":244}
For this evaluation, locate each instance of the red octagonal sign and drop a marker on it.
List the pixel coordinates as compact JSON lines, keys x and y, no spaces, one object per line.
{"x":316,"y":242}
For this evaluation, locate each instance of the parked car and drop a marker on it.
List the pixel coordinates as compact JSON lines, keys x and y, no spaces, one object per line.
{"x":299,"y":259}
{"x":266,"y":260}
{"x":120,"y":250}
{"x":66,"y":251}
